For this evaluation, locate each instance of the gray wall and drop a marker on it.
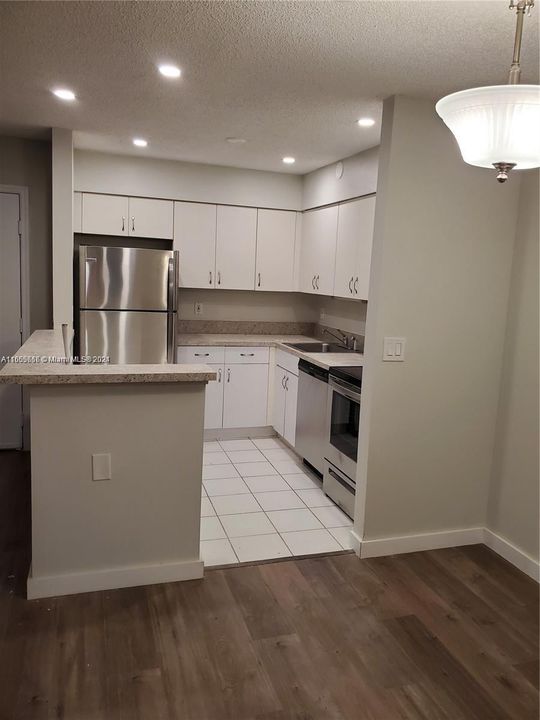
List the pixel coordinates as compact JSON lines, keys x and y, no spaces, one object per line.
{"x":514,"y":498}
{"x":440,"y":277}
{"x":28,"y":163}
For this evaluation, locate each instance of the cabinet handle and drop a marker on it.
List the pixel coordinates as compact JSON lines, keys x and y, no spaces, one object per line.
{"x":228,"y":374}
{"x":132,"y":224}
{"x":210,"y":277}
{"x":201,"y":354}
{"x":350,"y":285}
{"x":356,"y":286}
{"x":287,"y":383}
{"x":258,"y":279}
{"x":219,"y":375}
{"x":317,"y":282}
{"x":247,"y":354}
{"x":123,"y":224}
{"x":313,"y":282}
{"x":283,"y":382}
{"x":219,"y":278}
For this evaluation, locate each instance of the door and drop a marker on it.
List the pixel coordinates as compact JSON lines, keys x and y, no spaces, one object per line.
{"x":125,"y":336}
{"x":276,"y":231}
{"x":291,"y":393}
{"x":278,"y":412}
{"x":113,"y":278}
{"x":213,"y":403}
{"x":348,"y":240}
{"x":195,"y":240}
{"x":105,"y":214}
{"x":245,"y":398}
{"x":318,"y":256}
{"x":365,"y":243}
{"x":151,"y":218}
{"x":10,"y":317}
{"x":236,"y":240}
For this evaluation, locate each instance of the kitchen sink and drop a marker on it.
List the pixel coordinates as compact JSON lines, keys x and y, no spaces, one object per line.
{"x":318,"y":347}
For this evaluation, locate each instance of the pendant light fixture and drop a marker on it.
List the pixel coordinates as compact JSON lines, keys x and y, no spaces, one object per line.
{"x":499,"y":125}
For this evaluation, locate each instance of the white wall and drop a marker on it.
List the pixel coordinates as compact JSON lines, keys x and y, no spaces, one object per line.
{"x":322,"y":186}
{"x":513,"y":505}
{"x":62,"y":226}
{"x":128,"y":175}
{"x":440,"y":277}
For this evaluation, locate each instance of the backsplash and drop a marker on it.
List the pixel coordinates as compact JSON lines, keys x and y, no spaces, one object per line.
{"x":246,"y":327}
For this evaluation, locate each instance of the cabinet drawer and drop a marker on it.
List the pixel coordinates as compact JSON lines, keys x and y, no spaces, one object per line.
{"x":247,"y":355}
{"x":196,"y":354}
{"x":287,"y":361}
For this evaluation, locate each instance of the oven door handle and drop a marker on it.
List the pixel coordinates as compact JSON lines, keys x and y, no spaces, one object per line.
{"x":337,"y":387}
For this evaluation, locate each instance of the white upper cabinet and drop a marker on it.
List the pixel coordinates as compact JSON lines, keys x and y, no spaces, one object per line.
{"x":120,"y":215}
{"x":276,"y":236}
{"x":105,"y":214}
{"x":77,"y":212}
{"x":236,"y":241}
{"x":195,"y":239}
{"x":353,"y":251}
{"x":318,"y":253}
{"x":151,"y":218}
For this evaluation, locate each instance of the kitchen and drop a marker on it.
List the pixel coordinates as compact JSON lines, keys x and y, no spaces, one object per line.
{"x":306,"y":324}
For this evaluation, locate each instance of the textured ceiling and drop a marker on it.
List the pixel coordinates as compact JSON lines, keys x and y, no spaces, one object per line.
{"x":290,"y":77}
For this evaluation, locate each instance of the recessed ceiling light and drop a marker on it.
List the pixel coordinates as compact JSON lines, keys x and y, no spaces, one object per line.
{"x":140,"y":142}
{"x":170,"y":71}
{"x":235,"y":140}
{"x":289,"y":160}
{"x":64,"y":94}
{"x":366,"y":122}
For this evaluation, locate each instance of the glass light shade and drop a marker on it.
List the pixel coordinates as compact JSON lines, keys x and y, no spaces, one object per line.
{"x":499,"y":123}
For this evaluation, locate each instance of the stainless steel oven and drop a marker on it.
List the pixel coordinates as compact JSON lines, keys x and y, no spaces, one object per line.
{"x":342,"y":423}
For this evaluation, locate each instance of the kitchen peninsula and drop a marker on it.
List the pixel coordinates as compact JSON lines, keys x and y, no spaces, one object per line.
{"x":116,"y":469}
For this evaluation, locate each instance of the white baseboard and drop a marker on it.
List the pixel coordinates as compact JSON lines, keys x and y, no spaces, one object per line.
{"x":513,"y":554}
{"x":239,"y":433}
{"x":424,"y":541}
{"x":356,"y":542}
{"x":111,"y":578}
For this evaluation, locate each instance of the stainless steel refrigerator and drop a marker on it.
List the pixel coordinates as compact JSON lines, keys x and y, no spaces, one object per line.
{"x":127,"y":304}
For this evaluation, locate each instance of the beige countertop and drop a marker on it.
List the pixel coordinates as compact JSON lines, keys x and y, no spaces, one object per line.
{"x":41,"y":361}
{"x":323,"y":360}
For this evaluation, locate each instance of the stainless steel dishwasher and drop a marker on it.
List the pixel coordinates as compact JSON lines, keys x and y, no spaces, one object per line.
{"x":311,"y":425}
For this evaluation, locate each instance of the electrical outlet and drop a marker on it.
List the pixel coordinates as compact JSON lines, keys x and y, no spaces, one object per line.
{"x":323,"y":314}
{"x":101,"y":466}
{"x":198,"y":308}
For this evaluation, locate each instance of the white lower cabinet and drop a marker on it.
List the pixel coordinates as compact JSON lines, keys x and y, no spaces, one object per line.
{"x":213,"y":404}
{"x":245,"y":395}
{"x":285,"y":400}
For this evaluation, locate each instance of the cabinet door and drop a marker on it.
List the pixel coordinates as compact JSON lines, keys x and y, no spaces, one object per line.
{"x":236,"y":240}
{"x":276,"y":231}
{"x":291,"y":396}
{"x":104,"y":214}
{"x":365,"y":243}
{"x":278,"y":411}
{"x":348,"y":240}
{"x":195,"y":239}
{"x":151,"y":218}
{"x":245,"y":396}
{"x":213,"y":401}
{"x":318,"y":256}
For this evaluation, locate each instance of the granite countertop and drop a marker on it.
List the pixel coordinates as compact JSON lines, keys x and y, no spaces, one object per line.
{"x":323,"y":360}
{"x":42,"y":362}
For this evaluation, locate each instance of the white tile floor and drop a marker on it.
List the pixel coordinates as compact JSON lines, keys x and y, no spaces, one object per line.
{"x":259,"y":502}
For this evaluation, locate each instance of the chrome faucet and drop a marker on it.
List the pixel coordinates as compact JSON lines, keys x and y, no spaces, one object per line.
{"x":345,"y":340}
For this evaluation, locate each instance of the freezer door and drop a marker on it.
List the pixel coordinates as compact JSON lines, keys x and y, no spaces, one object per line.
{"x":126,"y":337}
{"x":112,"y":278}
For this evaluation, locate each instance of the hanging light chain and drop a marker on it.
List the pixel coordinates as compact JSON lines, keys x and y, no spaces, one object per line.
{"x":521,"y":7}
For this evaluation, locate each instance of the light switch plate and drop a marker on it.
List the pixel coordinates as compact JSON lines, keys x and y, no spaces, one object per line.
{"x":394,"y":349}
{"x":198,"y":308}
{"x":101,"y":466}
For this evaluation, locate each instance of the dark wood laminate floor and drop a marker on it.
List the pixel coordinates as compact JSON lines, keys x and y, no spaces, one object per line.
{"x":444,"y":635}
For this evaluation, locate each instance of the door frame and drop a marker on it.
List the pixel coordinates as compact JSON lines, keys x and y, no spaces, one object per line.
{"x":24,"y":262}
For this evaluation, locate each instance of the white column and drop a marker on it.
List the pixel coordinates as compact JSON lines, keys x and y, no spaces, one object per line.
{"x":62,"y":226}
